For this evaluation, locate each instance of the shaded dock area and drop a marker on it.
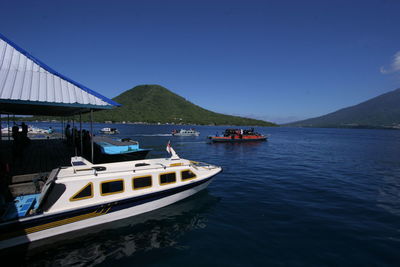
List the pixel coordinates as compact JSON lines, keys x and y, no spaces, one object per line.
{"x":41,"y":155}
{"x":34,"y":162}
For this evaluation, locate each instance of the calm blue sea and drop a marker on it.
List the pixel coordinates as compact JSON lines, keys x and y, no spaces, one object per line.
{"x":306,"y":197}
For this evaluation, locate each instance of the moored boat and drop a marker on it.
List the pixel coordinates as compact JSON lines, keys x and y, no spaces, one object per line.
{"x":108,"y":130}
{"x":238,"y":135}
{"x":86,"y":194}
{"x":113,"y":150}
{"x":184,"y":132}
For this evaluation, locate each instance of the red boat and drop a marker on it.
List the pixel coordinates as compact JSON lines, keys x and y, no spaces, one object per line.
{"x":238,"y":135}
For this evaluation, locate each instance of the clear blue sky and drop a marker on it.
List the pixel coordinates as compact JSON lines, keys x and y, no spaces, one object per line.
{"x":275,"y":60}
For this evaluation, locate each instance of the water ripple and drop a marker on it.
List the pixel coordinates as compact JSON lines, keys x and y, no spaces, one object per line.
{"x":306,"y":197}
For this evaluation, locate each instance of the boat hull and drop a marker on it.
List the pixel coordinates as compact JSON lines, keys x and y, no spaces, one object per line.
{"x":42,"y":227}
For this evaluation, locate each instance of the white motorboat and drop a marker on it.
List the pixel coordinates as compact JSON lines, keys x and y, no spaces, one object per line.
{"x":184,"y":132}
{"x":108,"y":130}
{"x":85,"y":195}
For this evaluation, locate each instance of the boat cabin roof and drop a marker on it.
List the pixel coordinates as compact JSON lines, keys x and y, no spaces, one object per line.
{"x":81,"y":167}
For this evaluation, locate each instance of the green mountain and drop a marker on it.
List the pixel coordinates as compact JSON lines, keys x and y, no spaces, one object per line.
{"x":154,"y":103}
{"x":382,"y":111}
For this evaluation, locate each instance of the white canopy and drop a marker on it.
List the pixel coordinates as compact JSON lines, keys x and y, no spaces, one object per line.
{"x":30,"y":87}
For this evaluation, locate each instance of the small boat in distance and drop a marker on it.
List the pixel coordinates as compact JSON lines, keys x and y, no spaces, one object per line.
{"x":85,"y":194}
{"x":183,"y":132}
{"x":108,"y":130}
{"x":238,"y":135}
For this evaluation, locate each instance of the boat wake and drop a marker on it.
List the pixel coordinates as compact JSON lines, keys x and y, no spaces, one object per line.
{"x":194,"y":142}
{"x":152,"y":135}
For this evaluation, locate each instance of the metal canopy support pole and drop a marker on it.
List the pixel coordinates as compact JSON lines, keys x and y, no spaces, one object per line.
{"x":91,"y":133}
{"x":8,"y":126}
{"x":73,"y":134}
{"x":81,"y":133}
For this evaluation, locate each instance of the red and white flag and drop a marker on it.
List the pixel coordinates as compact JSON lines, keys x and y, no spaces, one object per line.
{"x":171,"y":151}
{"x":169,"y":147}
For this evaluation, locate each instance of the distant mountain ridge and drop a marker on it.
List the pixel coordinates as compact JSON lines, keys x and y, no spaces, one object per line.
{"x":156,"y":104}
{"x":382,"y":111}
